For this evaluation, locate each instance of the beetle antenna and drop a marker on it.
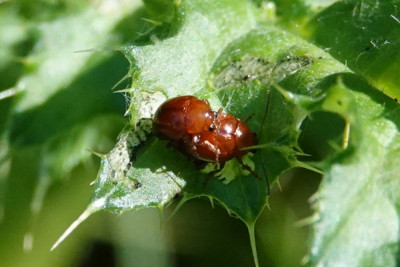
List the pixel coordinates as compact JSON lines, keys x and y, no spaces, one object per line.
{"x":266,"y":179}
{"x":259,"y":136}
{"x":253,"y":173}
{"x":265,"y":114}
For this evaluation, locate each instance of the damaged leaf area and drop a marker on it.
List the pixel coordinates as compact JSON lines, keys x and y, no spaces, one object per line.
{"x":245,"y":69}
{"x":221,"y":51}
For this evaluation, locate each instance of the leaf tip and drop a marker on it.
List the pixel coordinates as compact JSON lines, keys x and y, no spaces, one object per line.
{"x":89,"y":211}
{"x":307,"y":221}
{"x":100,"y":155}
{"x":308,"y":167}
{"x":177,"y":208}
{"x":151,"y":21}
{"x":287,"y":94}
{"x":128,"y":75}
{"x":8,"y":93}
{"x":126,"y":90}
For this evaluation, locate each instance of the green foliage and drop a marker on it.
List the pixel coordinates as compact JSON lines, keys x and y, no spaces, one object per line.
{"x":358,"y":186}
{"x":365,"y":36}
{"x":328,"y":73}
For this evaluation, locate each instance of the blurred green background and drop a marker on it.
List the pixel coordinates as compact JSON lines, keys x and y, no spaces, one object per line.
{"x":198,"y":235}
{"x":61,"y":105}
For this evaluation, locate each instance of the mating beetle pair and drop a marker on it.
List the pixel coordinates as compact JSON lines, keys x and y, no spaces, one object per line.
{"x":195,"y":130}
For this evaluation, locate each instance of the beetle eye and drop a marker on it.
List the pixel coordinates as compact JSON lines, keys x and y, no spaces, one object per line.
{"x":211,"y":128}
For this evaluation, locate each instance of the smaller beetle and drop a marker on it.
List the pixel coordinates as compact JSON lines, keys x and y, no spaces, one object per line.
{"x":224,"y":142}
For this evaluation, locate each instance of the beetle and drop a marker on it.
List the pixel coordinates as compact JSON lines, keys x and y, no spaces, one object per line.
{"x":194,"y":129}
{"x":180,"y":117}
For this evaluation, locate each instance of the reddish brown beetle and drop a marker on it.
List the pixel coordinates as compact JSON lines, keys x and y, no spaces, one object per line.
{"x":180,"y":117}
{"x":193,"y":128}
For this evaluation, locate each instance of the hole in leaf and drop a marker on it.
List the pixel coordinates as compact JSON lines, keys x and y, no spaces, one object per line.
{"x":321,"y":135}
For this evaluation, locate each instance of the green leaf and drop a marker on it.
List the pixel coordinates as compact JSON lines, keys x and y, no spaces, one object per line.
{"x":220,"y":51}
{"x":209,"y":56}
{"x":202,"y":36}
{"x":364,"y":35}
{"x":267,"y":63}
{"x":39,"y":85}
{"x":358,"y":197}
{"x":205,"y":28}
{"x":64,"y":104}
